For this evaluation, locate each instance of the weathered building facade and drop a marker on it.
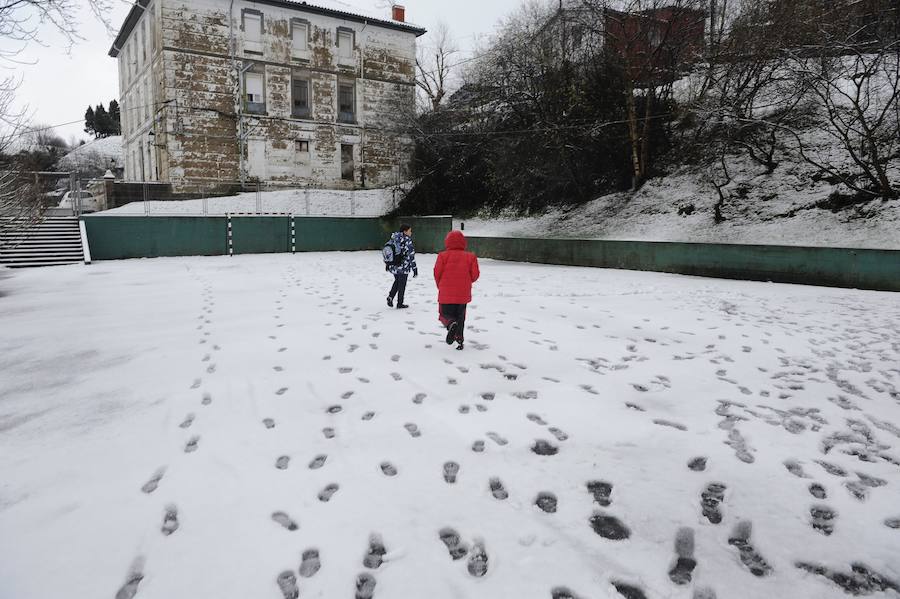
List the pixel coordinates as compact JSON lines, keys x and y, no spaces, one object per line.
{"x":214,"y":92}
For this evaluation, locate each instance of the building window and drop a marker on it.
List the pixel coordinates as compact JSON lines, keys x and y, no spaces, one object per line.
{"x":300,"y":95}
{"x":153,"y":28}
{"x":252,"y":25}
{"x":347,"y":162}
{"x":144,"y":38}
{"x":301,"y":151}
{"x":254,"y":99}
{"x":346,"y":102}
{"x":345,"y":43}
{"x":299,"y":35}
{"x":148,"y":100}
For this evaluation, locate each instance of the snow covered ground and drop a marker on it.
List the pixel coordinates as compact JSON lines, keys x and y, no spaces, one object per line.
{"x":260,"y":426}
{"x":319,"y":202}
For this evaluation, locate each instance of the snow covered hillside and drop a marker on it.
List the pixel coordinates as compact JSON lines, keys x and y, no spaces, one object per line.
{"x":264,"y":426}
{"x":93,"y":158}
{"x":319,"y":202}
{"x":787,"y":207}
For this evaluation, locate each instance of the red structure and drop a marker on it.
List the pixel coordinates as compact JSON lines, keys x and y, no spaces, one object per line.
{"x":656,"y":44}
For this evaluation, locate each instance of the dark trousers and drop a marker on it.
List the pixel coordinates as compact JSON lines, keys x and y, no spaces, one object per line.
{"x":451,"y":313}
{"x":399,"y":288}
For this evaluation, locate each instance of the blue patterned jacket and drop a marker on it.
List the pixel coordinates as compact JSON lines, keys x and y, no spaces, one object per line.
{"x":408,"y":263}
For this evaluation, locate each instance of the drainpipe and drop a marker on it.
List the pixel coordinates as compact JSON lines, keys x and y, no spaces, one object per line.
{"x":237,"y":90}
{"x":362,"y":120}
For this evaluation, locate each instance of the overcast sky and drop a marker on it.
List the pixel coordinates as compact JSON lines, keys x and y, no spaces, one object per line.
{"x":58,"y":86}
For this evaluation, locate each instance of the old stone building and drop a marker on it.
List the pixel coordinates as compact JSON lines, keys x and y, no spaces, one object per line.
{"x":214,"y":92}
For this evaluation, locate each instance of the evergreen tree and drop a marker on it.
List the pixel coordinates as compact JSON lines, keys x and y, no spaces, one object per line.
{"x":115,"y":118}
{"x":103,"y":123}
{"x":90,"y":122}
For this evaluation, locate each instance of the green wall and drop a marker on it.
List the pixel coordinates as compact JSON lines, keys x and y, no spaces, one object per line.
{"x":834,"y":267}
{"x":117,"y":237}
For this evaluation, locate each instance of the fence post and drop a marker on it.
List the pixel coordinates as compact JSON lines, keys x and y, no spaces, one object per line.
{"x":258,"y":199}
{"x":293,"y":234}
{"x":145,"y":193}
{"x":306,"y":198}
{"x":230,"y":236}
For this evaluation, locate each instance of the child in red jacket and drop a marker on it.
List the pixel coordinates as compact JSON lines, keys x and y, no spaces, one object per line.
{"x":454,"y":272}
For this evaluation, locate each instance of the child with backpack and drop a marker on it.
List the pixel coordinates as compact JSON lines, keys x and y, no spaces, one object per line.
{"x":454,"y":272}
{"x":399,"y":259}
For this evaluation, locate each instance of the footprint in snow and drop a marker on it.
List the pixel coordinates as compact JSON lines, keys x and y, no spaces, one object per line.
{"x":388,"y":469}
{"x":478,"y":446}
{"x":609,"y":527}
{"x":463,"y":409}
{"x":478,"y":561}
{"x":318,"y":461}
{"x":419,"y":398}
{"x":375,"y":554}
{"x":455,"y":546}
{"x":335,"y":409}
{"x":536,"y":419}
{"x":822,"y":519}
{"x":170,"y":520}
{"x":368,"y":416}
{"x":451,"y":469}
{"x":542,"y":447}
{"x":754,"y":562}
{"x":497,"y":489}
{"x":412,"y":429}
{"x":310,"y":563}
{"x":546,"y":502}
{"x":153,"y":483}
{"x":191,"y":445}
{"x":682,"y":571}
{"x":188,"y":421}
{"x":710,"y":500}
{"x":196,"y":384}
{"x":365,"y":586}
{"x":697,"y":464}
{"x":328,"y":492}
{"x":601,"y":491}
{"x":497,"y":438}
{"x":285,"y":521}
{"x":287,"y":582}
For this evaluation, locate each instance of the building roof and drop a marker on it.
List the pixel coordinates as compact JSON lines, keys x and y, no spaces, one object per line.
{"x":140,"y":5}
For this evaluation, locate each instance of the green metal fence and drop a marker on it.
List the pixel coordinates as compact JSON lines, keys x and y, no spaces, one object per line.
{"x":833,"y":267}
{"x":118,"y":237}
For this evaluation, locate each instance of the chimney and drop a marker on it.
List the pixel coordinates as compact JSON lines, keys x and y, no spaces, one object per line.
{"x":398,"y":13}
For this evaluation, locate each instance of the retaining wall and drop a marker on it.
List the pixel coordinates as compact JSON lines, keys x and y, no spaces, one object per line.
{"x":832,"y":267}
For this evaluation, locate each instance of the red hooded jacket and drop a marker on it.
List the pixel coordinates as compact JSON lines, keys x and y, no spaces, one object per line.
{"x":455,"y":270}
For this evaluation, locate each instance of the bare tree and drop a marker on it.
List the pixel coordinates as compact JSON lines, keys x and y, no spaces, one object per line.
{"x":857,"y":88}
{"x":434,"y":64}
{"x":21,"y":23}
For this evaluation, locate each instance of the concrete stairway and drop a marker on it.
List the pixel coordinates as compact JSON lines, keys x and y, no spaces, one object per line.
{"x":53,"y":241}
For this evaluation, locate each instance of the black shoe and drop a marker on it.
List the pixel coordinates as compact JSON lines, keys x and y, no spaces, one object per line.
{"x":401,"y":306}
{"x":451,"y":332}
{"x":390,"y":301}
{"x":460,"y":346}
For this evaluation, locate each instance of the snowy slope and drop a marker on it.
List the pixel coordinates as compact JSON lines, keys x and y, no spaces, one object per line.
{"x":778,"y":209}
{"x":320,"y":202}
{"x":260,"y":408}
{"x":95,"y":154}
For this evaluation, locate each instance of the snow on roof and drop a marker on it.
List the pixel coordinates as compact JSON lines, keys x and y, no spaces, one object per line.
{"x":323,"y":7}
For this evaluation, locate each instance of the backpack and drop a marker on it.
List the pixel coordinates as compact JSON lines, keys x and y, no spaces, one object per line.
{"x":391,"y":253}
